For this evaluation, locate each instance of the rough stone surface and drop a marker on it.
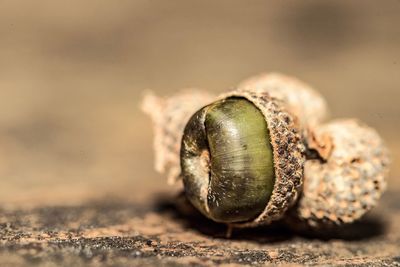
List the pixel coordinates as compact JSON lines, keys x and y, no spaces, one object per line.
{"x":116,"y":233}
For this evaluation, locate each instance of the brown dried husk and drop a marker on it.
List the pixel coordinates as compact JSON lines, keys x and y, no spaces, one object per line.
{"x":350,"y":181}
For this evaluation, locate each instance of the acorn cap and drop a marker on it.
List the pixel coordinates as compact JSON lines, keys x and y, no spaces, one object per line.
{"x":349,"y":180}
{"x":288,"y":155}
{"x":169,"y":116}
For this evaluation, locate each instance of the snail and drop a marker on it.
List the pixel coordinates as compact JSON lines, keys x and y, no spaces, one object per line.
{"x":264,"y":152}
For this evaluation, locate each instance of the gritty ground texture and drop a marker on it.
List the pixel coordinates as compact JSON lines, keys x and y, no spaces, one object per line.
{"x":160,"y":233}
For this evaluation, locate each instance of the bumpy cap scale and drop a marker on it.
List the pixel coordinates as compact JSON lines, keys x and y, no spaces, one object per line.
{"x":349,"y":181}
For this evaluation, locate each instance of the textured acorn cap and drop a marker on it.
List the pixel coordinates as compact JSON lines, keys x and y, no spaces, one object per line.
{"x":288,"y":155}
{"x":349,"y":181}
{"x":169,"y":116}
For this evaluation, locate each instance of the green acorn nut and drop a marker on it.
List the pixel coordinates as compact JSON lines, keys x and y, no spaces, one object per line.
{"x":233,"y":156}
{"x":237,"y":144}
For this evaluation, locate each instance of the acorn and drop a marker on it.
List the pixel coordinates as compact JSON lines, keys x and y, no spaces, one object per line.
{"x":242,"y":155}
{"x":242,"y":159}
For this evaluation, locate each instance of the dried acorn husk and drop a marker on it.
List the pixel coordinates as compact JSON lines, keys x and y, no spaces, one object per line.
{"x":259,"y":138}
{"x":348,"y":181}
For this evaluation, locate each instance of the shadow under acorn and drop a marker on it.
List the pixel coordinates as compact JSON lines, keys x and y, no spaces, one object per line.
{"x":178,"y":208}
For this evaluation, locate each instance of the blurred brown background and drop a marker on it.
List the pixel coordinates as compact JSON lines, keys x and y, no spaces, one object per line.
{"x":72,"y":74}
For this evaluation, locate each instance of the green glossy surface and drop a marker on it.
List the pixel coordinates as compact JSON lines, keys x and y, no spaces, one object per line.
{"x":242,"y":172}
{"x":239,"y":179}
